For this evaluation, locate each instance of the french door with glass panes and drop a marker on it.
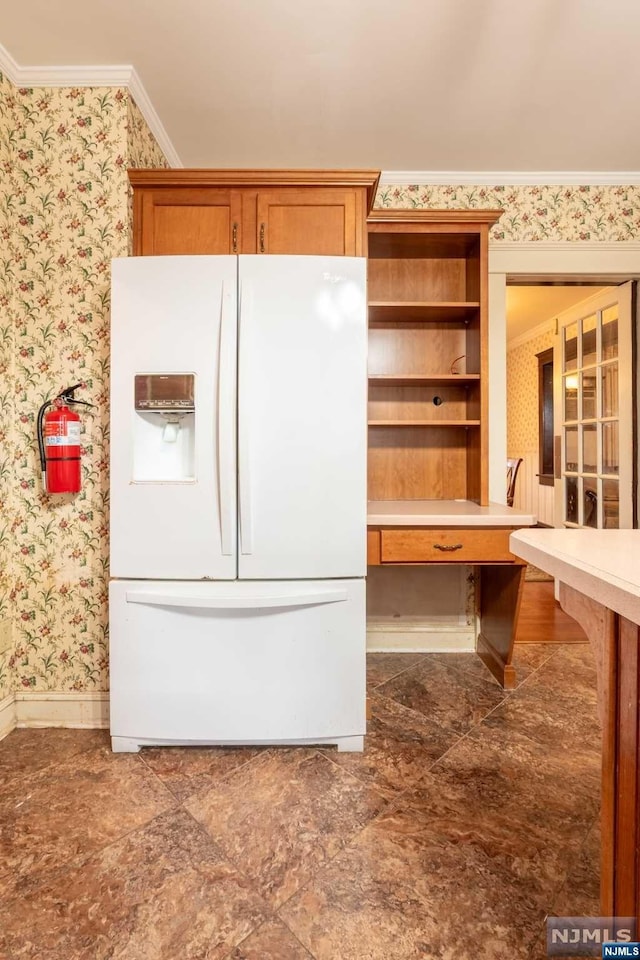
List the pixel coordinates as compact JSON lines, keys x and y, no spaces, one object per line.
{"x":593,"y":412}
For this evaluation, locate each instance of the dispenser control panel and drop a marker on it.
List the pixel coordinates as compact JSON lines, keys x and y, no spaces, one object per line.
{"x":164,"y":392}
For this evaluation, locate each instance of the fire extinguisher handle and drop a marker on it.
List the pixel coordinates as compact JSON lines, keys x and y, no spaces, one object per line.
{"x":68,"y":392}
{"x":67,"y":395}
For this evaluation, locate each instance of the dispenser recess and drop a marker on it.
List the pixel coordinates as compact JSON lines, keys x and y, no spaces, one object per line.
{"x":164,"y":427}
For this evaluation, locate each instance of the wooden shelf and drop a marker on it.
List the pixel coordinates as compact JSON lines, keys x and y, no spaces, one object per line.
{"x":424,"y":423}
{"x":419,"y":379}
{"x":386,"y":311}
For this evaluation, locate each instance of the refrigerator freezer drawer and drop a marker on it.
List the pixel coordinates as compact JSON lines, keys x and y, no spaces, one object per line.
{"x":237,"y":663}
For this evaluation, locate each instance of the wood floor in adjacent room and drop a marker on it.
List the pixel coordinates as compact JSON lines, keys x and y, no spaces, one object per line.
{"x":471,"y":815}
{"x":542,"y":620}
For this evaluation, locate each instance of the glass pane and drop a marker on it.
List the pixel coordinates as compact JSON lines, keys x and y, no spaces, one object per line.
{"x":589,"y":411}
{"x":571,"y":397}
{"x":610,"y":390}
{"x":571,"y":449}
{"x":571,"y":503}
{"x":571,"y":347}
{"x":590,"y":448}
{"x":589,"y":355}
{"x":610,"y":333}
{"x":610,"y":456}
{"x":610,"y":502}
{"x":590,"y":505}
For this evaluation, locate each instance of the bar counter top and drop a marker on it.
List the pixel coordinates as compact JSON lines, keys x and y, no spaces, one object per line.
{"x":602,"y":564}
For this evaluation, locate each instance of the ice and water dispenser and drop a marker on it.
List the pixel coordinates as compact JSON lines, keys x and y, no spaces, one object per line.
{"x":164,"y":427}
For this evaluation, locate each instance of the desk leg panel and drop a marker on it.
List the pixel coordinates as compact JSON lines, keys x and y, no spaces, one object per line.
{"x":616,"y":645}
{"x":500,"y":595}
{"x":627,"y":787}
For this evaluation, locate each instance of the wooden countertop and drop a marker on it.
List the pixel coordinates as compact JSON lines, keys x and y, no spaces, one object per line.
{"x":444,"y":513}
{"x":602,"y":564}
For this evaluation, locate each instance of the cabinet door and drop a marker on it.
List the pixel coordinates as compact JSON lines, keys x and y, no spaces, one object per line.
{"x":308,"y":220}
{"x":188,"y":221}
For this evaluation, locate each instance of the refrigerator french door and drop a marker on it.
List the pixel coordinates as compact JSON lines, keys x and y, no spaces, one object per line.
{"x":238,"y":500}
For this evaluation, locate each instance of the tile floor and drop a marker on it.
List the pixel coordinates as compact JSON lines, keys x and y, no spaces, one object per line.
{"x":470,"y":816}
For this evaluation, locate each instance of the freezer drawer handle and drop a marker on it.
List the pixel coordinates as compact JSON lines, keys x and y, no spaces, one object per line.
{"x":312,"y":598}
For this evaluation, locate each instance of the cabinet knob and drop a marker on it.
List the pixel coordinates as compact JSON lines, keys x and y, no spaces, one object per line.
{"x":234,"y":238}
{"x":262,"y":238}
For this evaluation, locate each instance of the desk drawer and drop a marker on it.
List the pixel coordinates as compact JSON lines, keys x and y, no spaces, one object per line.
{"x":454,"y":545}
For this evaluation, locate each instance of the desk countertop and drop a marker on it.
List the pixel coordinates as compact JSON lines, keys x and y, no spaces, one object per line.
{"x":444,"y":513}
{"x":603,"y":564}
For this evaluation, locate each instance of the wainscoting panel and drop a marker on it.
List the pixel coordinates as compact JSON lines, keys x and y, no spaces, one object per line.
{"x":530,"y":495}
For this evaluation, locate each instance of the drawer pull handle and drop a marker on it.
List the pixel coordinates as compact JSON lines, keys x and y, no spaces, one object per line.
{"x":447,"y":547}
{"x":262,"y":238}
{"x":235,"y":238}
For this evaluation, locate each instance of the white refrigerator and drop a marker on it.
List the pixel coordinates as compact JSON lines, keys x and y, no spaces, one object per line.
{"x":238,"y":500}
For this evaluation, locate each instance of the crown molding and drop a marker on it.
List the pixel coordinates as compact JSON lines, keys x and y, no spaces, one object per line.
{"x":557,"y":178}
{"x":146,"y":108}
{"x":547,"y":326}
{"x":110,"y":75}
{"x":8,"y":66}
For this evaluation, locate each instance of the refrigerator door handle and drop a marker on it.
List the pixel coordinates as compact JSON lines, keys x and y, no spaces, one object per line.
{"x":302,"y":599}
{"x":245,"y":300}
{"x":226,"y":422}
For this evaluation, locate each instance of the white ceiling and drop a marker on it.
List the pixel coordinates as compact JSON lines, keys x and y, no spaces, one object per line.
{"x":441,"y":85}
{"x":533,"y":306}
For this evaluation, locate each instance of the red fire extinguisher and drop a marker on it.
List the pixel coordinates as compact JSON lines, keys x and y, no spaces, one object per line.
{"x":59,"y":442}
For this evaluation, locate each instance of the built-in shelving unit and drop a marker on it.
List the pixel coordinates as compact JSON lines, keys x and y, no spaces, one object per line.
{"x":428,"y":436}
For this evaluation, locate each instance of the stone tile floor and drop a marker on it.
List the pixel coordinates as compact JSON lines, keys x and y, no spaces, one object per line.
{"x":471,"y":815}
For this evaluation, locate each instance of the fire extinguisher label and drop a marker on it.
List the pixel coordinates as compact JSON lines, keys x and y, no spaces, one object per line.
{"x":70,"y":439}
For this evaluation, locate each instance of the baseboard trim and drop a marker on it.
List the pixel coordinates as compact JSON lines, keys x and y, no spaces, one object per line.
{"x":8,"y":721}
{"x":418,"y":637}
{"x":47,"y":709}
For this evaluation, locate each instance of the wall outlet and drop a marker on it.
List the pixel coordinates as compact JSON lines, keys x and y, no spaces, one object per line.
{"x":6,"y":636}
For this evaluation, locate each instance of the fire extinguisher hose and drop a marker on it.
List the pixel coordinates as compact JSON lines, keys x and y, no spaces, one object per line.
{"x":43,"y":461}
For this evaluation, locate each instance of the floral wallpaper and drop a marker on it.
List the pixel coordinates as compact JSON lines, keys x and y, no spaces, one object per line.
{"x":534,"y":213}
{"x":66,"y":215}
{"x":8,"y":498}
{"x":522,"y":394}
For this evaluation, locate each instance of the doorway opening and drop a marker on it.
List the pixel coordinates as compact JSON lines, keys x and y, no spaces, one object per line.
{"x":570,"y":398}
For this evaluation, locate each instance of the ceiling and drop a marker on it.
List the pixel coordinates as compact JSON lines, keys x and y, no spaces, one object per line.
{"x":532,"y":306}
{"x":424,"y":85}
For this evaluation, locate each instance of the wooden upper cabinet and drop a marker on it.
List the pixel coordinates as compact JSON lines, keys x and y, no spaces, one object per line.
{"x":184,"y":221}
{"x":310,"y":220}
{"x":252,"y":211}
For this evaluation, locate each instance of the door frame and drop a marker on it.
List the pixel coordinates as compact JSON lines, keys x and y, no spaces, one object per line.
{"x":539,"y":261}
